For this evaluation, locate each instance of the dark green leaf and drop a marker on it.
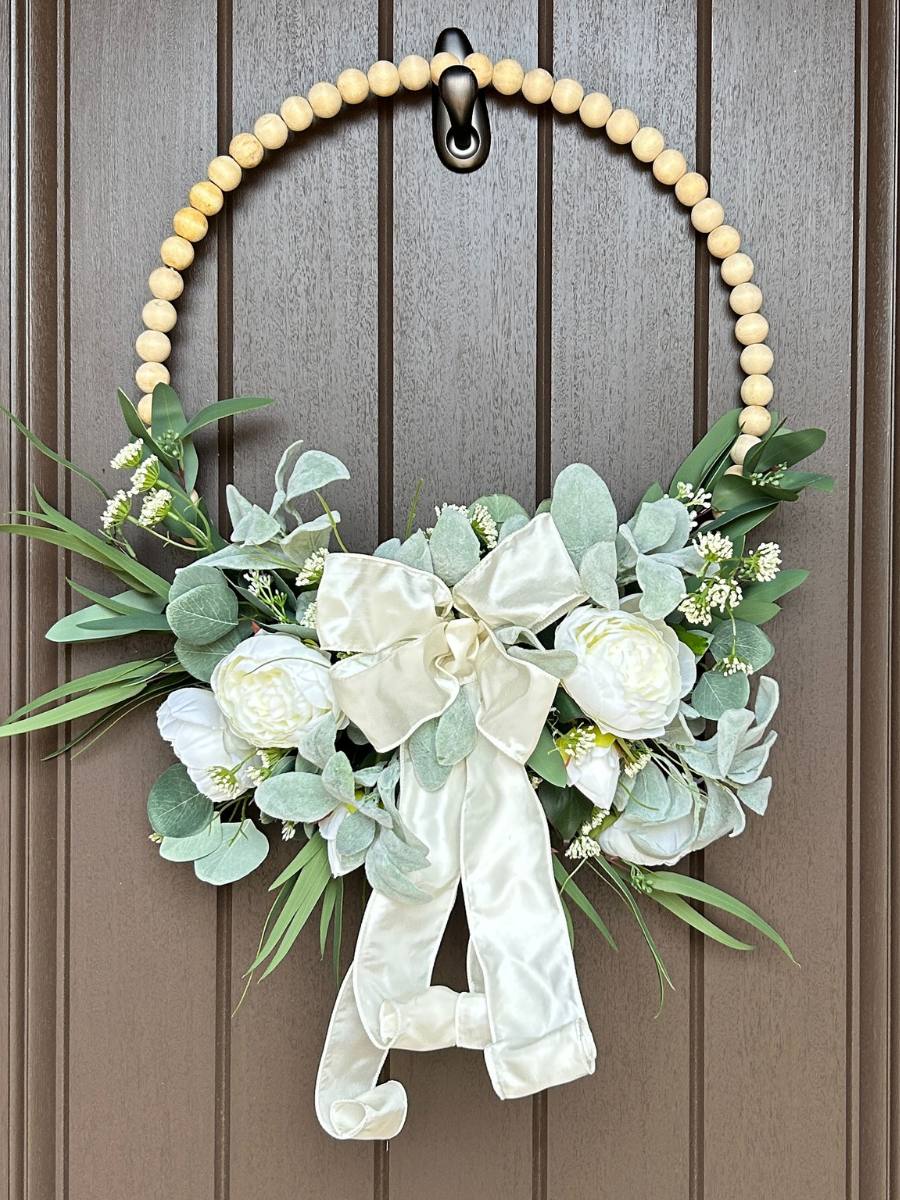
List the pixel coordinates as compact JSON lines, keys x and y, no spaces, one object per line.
{"x":566,"y":808}
{"x":705,"y":454}
{"x":52,"y":454}
{"x":175,"y":807}
{"x":546,"y":760}
{"x":220,"y":410}
{"x":568,"y":887}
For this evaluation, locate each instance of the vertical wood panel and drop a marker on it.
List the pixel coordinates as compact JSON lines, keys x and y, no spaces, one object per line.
{"x":623,"y":298}
{"x":305,"y":331}
{"x":464,"y":338}
{"x":143,"y":937}
{"x":775,"y":1035}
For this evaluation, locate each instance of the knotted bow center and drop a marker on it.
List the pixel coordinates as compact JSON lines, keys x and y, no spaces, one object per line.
{"x":465,"y":637}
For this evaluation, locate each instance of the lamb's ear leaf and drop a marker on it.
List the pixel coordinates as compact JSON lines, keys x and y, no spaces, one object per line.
{"x":582,"y":510}
{"x":455,"y":548}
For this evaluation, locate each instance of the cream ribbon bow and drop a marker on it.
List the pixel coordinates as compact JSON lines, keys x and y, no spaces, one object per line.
{"x":484,"y":827}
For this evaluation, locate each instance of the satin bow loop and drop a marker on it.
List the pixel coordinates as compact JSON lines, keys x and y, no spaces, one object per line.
{"x":413,"y":644}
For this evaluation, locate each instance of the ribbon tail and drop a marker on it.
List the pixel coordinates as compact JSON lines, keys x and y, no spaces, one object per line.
{"x":540,"y":1035}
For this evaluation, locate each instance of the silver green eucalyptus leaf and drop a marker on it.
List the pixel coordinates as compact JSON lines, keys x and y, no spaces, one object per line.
{"x":203,"y":614}
{"x":756,"y":795}
{"x":456,"y":735}
{"x":662,"y":587}
{"x":312,"y":471}
{"x":193,"y":575}
{"x":337,"y":777}
{"x":242,"y":849}
{"x":355,"y":834}
{"x":502,"y":508}
{"x":431,"y":774}
{"x":186,"y":849}
{"x":316,"y":743}
{"x":582,"y":510}
{"x":599,"y":567}
{"x":201,"y":661}
{"x":747,"y":641}
{"x":455,"y":548}
{"x":717,"y":692}
{"x":512,"y":525}
{"x":295,"y":797}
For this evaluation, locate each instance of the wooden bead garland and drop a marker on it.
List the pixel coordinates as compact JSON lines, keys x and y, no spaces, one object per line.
{"x":383,"y":78}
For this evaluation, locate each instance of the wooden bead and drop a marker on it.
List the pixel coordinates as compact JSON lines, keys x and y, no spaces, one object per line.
{"x":190,"y":224}
{"x":537,"y":86}
{"x":177,"y":252}
{"x":757,"y":359}
{"x":225,"y":172}
{"x":384,"y":78}
{"x":734,"y":469}
{"x":440,"y":63}
{"x":508,"y":76}
{"x":353,"y":86}
{"x":149,"y":374}
{"x":745,"y":298}
{"x":567,"y":95}
{"x":481,"y":66}
{"x":755,"y":421}
{"x":271,"y":130}
{"x":737,"y":268}
{"x":691,"y":189}
{"x":246,"y":149}
{"x":325,"y":100}
{"x":669,"y":166}
{"x":752,"y":328}
{"x":165,"y":283}
{"x":153,"y":346}
{"x":647,"y":144}
{"x":621,"y":126}
{"x":723,"y":241}
{"x":707,"y":215}
{"x":145,"y":409}
{"x":206,"y":197}
{"x":595,"y":109}
{"x":414,"y":72}
{"x":742,"y":444}
{"x":159,"y":314}
{"x":296,"y":113}
{"x":757,"y":390}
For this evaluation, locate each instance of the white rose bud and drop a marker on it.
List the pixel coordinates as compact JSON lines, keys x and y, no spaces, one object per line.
{"x":595,"y":774}
{"x":631,"y":672}
{"x":272,"y":687}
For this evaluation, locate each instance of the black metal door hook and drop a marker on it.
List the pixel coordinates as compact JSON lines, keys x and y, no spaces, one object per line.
{"x":459,"y":116}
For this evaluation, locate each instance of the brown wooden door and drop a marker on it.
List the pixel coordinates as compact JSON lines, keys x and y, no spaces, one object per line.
{"x":479,"y":332}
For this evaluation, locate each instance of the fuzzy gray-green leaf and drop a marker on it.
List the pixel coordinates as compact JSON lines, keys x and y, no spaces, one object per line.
{"x":582,"y":510}
{"x":455,"y":548}
{"x":295,"y":796}
{"x":456,"y":734}
{"x":431,"y":774}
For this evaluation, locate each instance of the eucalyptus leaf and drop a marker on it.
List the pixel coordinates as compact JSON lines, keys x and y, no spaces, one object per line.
{"x":242,"y":850}
{"x":716,"y":692}
{"x":456,"y":734}
{"x":501,"y":507}
{"x":455,"y":548}
{"x":201,"y":661}
{"x":582,"y":510}
{"x":744,"y":639}
{"x":187,"y":849}
{"x":194,"y":575}
{"x":175,"y":806}
{"x":204,"y":614}
{"x":297,"y":796}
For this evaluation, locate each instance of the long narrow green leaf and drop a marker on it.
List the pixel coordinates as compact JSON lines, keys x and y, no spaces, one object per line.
{"x":568,"y":886}
{"x":274,"y":909}
{"x":103,"y":697}
{"x":138,"y":429}
{"x":606,"y":871}
{"x":319,"y":874}
{"x":98,"y":729}
{"x":680,"y":908}
{"x":221,"y":409}
{"x":698,"y":463}
{"x":140,"y":668}
{"x":705,"y":893}
{"x":570,"y":928}
{"x":328,"y":902}
{"x":303,"y":885}
{"x":121,"y":626}
{"x":299,"y":861}
{"x":52,"y":454}
{"x":337,"y":935}
{"x":112,"y":603}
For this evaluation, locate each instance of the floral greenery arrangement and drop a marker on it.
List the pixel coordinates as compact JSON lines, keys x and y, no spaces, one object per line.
{"x":652,"y":746}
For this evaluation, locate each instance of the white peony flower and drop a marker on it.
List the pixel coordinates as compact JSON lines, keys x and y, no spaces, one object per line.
{"x":272,"y":687}
{"x":631,"y":671}
{"x":328,"y":827}
{"x":595,"y":774}
{"x":634,"y":839}
{"x":191,"y":720}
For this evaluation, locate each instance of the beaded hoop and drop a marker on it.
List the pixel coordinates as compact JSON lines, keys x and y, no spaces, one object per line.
{"x":326,"y":100}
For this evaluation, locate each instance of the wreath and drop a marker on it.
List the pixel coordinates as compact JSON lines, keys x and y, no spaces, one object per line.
{"x":503,"y":699}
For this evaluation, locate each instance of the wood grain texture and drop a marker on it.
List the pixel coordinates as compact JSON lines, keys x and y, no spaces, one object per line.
{"x":775,"y":1035}
{"x":305,"y":294}
{"x":142,"y":931}
{"x":622,"y":371}
{"x":464,"y":346}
